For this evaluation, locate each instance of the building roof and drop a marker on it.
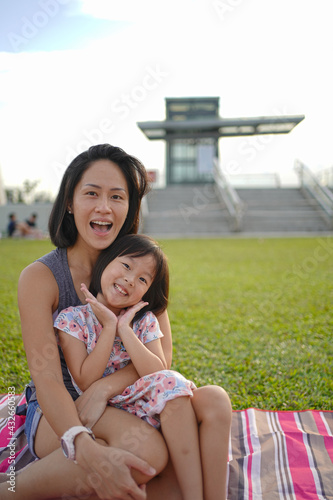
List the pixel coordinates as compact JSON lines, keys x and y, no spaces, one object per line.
{"x":219,"y":127}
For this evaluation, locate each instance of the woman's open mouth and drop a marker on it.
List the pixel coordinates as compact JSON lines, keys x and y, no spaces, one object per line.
{"x":101,"y":226}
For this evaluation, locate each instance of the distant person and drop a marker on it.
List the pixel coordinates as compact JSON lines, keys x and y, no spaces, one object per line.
{"x":32,"y":220}
{"x":12,"y":225}
{"x":18,"y":229}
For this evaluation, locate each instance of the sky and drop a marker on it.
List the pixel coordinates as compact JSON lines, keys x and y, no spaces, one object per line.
{"x":79,"y":72}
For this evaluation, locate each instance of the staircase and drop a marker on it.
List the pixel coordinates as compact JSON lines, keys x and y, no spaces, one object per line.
{"x":185,"y":210}
{"x":280,"y":210}
{"x":195,"y":211}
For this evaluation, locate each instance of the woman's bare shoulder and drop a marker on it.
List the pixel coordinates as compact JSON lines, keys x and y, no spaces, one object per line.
{"x":36,"y":270}
{"x":38,"y":281}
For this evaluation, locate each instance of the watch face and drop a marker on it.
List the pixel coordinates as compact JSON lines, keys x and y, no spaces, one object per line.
{"x":65,"y":448}
{"x":67,"y":440}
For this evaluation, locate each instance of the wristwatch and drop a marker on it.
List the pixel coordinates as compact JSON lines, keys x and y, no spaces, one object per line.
{"x":67,"y":440}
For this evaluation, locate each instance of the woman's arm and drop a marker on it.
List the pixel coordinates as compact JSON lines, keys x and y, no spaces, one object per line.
{"x":166,"y":340}
{"x":37,"y":300}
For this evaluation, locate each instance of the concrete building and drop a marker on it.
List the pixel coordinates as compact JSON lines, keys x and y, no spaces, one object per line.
{"x":3,"y":198}
{"x":192,"y":129}
{"x":199,"y":200}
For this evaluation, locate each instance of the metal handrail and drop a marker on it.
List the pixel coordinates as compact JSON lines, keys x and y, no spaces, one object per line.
{"x":264,"y":179}
{"x":144,"y":206}
{"x":325,"y":177}
{"x":311,"y":185}
{"x":144,"y":212}
{"x":229,"y":196}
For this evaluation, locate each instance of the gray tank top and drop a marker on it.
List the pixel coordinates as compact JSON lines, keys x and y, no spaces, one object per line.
{"x":57,"y":262}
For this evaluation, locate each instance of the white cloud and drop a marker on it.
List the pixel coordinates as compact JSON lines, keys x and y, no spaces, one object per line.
{"x":143,"y":11}
{"x":258,"y":57}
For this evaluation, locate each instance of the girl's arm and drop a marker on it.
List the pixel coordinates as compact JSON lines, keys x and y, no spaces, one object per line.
{"x":90,"y":405}
{"x":166,"y":340}
{"x":147,"y":358}
{"x":87,"y":368}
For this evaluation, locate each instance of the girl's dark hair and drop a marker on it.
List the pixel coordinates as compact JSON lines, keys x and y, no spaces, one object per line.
{"x":137,"y":245}
{"x":62,"y":228}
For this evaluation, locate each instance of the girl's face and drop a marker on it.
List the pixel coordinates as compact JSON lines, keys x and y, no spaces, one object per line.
{"x":126,"y":280}
{"x":100,"y":204}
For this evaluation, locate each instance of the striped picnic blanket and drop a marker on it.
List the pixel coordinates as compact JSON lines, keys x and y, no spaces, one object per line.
{"x":282,"y":455}
{"x":13,"y":442}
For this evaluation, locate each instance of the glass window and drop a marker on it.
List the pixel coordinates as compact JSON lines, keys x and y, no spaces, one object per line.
{"x":191,"y":160}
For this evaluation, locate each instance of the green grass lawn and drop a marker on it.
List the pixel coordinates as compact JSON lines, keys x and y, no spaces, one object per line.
{"x":252,"y":315}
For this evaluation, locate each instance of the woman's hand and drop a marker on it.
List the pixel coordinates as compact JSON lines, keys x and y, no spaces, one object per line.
{"x":103,"y":314}
{"x":91,"y":405}
{"x":109,"y":469}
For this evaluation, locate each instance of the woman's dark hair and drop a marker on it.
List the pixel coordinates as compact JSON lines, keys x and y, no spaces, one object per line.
{"x":62,"y":228}
{"x":137,"y":245}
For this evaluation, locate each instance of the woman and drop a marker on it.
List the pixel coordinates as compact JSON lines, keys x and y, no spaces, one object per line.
{"x":98,"y":201}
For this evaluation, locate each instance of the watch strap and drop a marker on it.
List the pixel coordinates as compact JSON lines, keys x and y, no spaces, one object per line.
{"x":67,"y":440}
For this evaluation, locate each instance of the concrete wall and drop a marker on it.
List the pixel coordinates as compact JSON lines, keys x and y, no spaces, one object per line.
{"x":22,"y":212}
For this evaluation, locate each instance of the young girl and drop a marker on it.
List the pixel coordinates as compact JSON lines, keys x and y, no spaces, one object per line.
{"x":130,"y":281}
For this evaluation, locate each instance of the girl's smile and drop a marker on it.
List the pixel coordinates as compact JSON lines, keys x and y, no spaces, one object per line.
{"x":126,"y":280}
{"x":120,"y":289}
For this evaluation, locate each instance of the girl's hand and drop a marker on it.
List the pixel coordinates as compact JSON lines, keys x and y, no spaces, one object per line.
{"x":126,"y":316}
{"x":103,"y":314}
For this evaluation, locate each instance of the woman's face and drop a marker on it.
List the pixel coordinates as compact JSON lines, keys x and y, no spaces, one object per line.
{"x":100,"y":204}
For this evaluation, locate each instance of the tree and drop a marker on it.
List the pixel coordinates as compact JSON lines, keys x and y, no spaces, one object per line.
{"x":27,"y":193}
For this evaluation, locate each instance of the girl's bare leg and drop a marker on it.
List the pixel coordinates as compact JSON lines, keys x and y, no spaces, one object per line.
{"x":54,"y":476}
{"x":165,"y":485}
{"x":213,"y":410}
{"x":180,"y":430}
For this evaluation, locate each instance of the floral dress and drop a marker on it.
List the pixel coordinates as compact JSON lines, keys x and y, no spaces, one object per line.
{"x":147,"y":397}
